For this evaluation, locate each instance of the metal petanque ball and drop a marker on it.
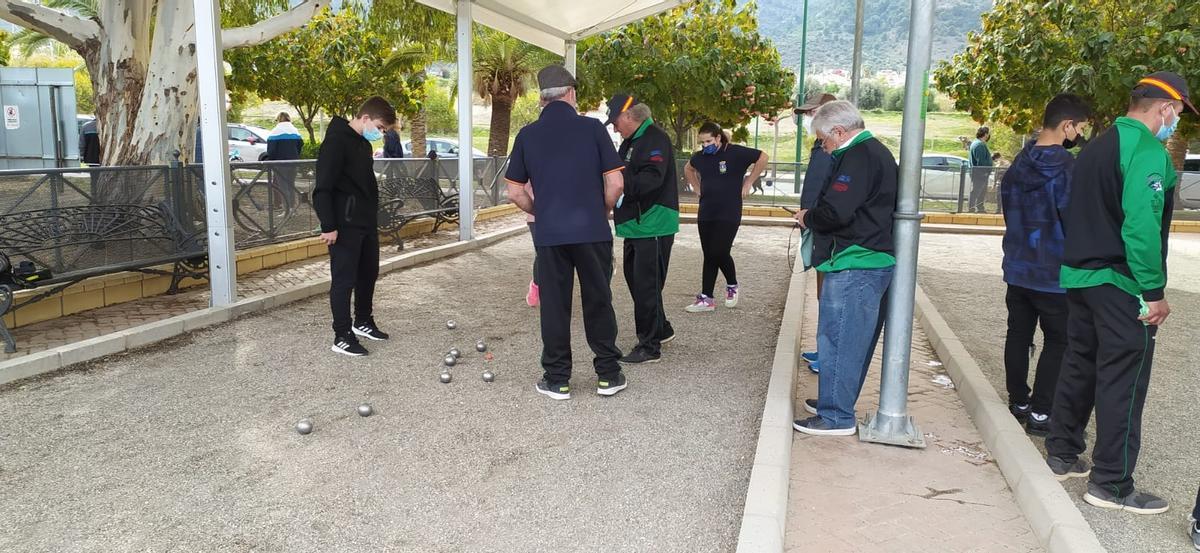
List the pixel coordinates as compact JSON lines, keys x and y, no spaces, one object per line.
{"x":456,"y":352}
{"x":451,"y":325}
{"x":445,"y":378}
{"x":305,"y":426}
{"x":480,"y":346}
{"x":489,"y":376}
{"x":365,"y":410}
{"x":450,"y":360}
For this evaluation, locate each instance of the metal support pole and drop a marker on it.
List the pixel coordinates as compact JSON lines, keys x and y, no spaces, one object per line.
{"x":210,"y":76}
{"x":800,"y":95}
{"x":856,"y":68}
{"x":466,"y":156}
{"x":569,"y":57}
{"x":891,"y":424}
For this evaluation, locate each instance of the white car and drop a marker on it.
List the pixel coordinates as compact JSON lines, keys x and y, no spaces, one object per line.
{"x":445,"y":148}
{"x":1189,"y":183}
{"x":941,"y":177}
{"x":250,"y":142}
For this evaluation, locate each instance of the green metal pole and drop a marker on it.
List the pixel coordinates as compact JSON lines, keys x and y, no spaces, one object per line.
{"x":755,"y":133}
{"x":800,"y":96}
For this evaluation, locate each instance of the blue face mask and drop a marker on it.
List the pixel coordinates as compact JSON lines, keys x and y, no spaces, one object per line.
{"x":1165,"y":131}
{"x":709,"y":149}
{"x":372,"y":134}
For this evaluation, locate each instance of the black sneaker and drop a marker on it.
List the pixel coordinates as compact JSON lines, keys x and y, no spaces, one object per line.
{"x":1038,"y":426}
{"x":556,"y":391}
{"x":1194,"y":531}
{"x":347,"y":344}
{"x":369,"y":330}
{"x":816,"y":426}
{"x":1063,"y":470}
{"x":639,"y":357}
{"x":1138,"y":503}
{"x":810,"y":405}
{"x":668,"y":335}
{"x":1020,"y":411}
{"x":610,"y":386}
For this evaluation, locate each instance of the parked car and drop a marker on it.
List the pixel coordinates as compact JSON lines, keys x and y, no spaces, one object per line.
{"x":941,"y":177}
{"x":81,"y":120}
{"x":1189,"y":183}
{"x":251,"y":142}
{"x":445,"y":148}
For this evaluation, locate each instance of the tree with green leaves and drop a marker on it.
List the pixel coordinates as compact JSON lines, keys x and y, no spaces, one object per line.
{"x":704,"y":61}
{"x":141,"y":56}
{"x":1028,"y":52}
{"x":505,"y":68}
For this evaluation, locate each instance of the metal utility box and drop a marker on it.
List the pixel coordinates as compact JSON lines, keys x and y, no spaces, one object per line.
{"x":40,"y":129}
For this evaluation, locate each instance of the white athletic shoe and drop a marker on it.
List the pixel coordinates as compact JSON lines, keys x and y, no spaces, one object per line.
{"x":703,"y":304}
{"x":731,"y":296}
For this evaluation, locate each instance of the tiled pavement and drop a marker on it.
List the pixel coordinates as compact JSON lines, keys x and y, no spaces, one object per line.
{"x":115,"y":318}
{"x":848,"y":496}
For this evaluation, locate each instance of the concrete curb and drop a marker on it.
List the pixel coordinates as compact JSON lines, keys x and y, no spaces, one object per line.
{"x":54,"y":359}
{"x":931,"y":228}
{"x":764,"y":519}
{"x":1055,"y":519}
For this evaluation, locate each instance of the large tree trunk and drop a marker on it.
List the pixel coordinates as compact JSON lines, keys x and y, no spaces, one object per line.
{"x":501,"y":126}
{"x":418,"y":131}
{"x":1177,"y":148}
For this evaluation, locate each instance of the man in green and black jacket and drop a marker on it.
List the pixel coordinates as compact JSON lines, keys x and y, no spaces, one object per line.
{"x":1115,"y":272}
{"x":647,"y":218}
{"x":852,"y":222}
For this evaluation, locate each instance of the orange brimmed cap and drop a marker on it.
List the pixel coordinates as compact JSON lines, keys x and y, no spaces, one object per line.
{"x":1165,"y":85}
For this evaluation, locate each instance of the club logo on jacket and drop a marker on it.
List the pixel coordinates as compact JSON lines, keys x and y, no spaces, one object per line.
{"x":842,"y":183}
{"x":656,"y":156}
{"x":1155,"y":182}
{"x":722,"y":167}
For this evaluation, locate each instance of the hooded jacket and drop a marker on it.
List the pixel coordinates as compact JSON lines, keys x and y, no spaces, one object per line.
{"x":651,"y":205}
{"x":1034,"y":194}
{"x":346,"y":193}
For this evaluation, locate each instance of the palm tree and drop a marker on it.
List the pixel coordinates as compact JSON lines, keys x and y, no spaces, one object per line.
{"x":29,"y":40}
{"x":504,"y":70}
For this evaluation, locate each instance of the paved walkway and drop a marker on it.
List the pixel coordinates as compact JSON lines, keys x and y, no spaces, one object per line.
{"x":115,"y":318}
{"x":961,"y":275}
{"x":188,"y":444}
{"x":848,"y":496}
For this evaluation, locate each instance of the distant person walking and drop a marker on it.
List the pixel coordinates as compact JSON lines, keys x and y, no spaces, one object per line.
{"x":346,"y":199}
{"x":1034,"y":192}
{"x":980,"y":160}
{"x":1114,"y":269}
{"x":722,"y":174}
{"x":572,"y":166}
{"x":856,"y":212}
{"x":89,"y":144}
{"x":284,"y":143}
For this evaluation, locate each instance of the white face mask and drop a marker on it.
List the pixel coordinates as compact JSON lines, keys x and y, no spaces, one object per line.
{"x":807,"y":124}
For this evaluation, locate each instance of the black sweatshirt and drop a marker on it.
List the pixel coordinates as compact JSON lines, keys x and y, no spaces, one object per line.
{"x":346,"y":194}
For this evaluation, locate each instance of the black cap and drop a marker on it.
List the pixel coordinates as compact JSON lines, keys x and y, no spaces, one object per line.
{"x":555,"y":76}
{"x":1165,"y":85}
{"x":815,"y":101}
{"x":619,"y":104}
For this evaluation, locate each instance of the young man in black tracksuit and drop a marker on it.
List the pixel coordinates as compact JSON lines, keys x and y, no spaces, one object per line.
{"x":647,"y":218}
{"x":346,"y":199}
{"x":1115,"y":271}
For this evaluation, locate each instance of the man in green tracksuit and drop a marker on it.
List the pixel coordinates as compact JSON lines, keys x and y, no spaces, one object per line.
{"x":647,"y":218}
{"x":1115,"y":272}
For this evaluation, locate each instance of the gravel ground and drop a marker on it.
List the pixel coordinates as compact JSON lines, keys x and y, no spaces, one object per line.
{"x":961,"y":274}
{"x":188,"y":445}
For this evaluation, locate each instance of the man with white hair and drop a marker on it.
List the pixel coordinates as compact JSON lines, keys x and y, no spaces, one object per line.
{"x":854,"y":249}
{"x":575,"y":174}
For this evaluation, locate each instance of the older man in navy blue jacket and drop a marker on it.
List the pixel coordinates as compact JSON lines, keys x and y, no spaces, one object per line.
{"x":1034,"y":194}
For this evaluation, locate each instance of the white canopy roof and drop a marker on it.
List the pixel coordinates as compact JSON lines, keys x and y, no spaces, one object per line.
{"x":550,"y":24}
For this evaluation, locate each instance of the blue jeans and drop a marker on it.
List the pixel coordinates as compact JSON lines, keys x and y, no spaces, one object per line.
{"x":853,"y":303}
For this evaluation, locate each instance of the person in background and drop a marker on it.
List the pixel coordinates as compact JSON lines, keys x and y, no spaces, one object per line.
{"x":393,"y":148}
{"x":89,"y":144}
{"x":1034,"y":193}
{"x":1117,"y":223}
{"x":1194,"y":527}
{"x":533,"y":296}
{"x":816,"y":177}
{"x":722,"y":174}
{"x":569,"y":161}
{"x":284,"y":144}
{"x":647,"y":218}
{"x":856,"y":212}
{"x":346,"y":200}
{"x":980,"y":161}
